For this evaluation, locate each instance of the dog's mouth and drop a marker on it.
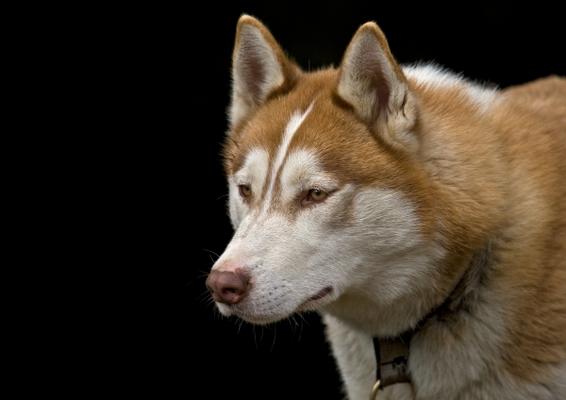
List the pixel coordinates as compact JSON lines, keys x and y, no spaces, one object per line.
{"x":313,"y":301}
{"x":311,"y":304}
{"x":323,"y":293}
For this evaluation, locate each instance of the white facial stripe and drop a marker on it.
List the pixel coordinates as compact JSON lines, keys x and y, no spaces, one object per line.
{"x":292,"y":126}
{"x":255,"y":169}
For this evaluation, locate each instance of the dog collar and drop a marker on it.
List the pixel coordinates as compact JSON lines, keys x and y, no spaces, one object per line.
{"x":392,"y":354}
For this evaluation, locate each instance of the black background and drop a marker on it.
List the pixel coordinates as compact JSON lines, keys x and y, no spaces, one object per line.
{"x":171,"y":68}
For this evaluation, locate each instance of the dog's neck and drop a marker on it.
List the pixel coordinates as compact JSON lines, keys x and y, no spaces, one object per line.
{"x":365,"y":314}
{"x":392,"y":354}
{"x":465,"y":292}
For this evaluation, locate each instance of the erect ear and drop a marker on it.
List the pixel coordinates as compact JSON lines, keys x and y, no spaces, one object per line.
{"x":372,"y":82}
{"x":259,"y":67}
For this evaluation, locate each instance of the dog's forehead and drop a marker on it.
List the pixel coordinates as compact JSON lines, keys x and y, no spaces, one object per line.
{"x":341,"y":143}
{"x":265,"y":127}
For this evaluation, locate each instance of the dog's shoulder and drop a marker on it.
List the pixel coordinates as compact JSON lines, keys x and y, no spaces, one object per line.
{"x":552,"y":87}
{"x":542,"y":98}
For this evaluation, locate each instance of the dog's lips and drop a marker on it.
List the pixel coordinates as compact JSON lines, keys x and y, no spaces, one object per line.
{"x":323,"y":293}
{"x":311,"y":304}
{"x":316,"y":301}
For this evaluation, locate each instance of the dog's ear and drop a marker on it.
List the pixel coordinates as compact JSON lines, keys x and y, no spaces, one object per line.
{"x":259,"y":68}
{"x":373,"y":83}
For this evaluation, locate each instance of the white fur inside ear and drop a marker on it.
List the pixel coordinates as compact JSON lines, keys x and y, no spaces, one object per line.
{"x":365,"y":74}
{"x":374,"y":85}
{"x":255,"y":73}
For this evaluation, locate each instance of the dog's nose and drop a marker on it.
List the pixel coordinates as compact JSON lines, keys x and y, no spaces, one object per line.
{"x":228,"y":287}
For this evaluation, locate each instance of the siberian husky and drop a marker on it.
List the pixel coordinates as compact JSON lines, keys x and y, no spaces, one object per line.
{"x":407,"y":205}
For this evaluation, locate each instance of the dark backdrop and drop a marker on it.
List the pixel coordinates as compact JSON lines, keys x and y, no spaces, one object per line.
{"x":174,"y":88}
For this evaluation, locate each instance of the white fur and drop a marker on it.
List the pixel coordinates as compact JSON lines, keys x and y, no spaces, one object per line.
{"x":286,"y":256}
{"x":353,"y":351}
{"x":445,"y":358}
{"x":301,"y":172}
{"x":434,"y":76}
{"x":254,"y":173}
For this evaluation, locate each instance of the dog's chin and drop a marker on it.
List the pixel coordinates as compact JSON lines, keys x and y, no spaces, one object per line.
{"x":313,"y":303}
{"x":262,"y":319}
{"x":255,"y":317}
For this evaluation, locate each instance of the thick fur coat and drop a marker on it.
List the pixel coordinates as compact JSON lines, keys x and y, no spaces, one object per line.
{"x":370,"y":192}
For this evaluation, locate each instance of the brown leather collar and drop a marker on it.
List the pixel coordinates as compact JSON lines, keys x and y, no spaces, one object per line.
{"x":392,"y":354}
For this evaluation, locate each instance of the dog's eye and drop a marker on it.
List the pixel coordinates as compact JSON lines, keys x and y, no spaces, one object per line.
{"x":245,"y":191}
{"x":314,"y":196}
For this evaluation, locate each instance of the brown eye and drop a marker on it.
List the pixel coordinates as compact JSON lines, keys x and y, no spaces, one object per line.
{"x":245,"y":191}
{"x":314,"y":196}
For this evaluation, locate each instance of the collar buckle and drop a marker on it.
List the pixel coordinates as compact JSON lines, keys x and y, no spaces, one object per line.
{"x":375,"y":389}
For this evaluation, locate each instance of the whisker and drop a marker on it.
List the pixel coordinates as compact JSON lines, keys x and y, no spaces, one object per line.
{"x":302,"y":323}
{"x":212,"y":252}
{"x":216,"y":314}
{"x":203,"y":274}
{"x":205,"y":298}
{"x":274,"y":337}
{"x":262,"y":330}
{"x":303,"y":318}
{"x":208,"y":301}
{"x":295,"y":321}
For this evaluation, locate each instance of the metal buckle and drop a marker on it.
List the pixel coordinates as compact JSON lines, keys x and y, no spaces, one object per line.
{"x":375,"y":390}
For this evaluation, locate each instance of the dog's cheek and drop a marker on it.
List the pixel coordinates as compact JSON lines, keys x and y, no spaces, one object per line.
{"x":386,"y":219}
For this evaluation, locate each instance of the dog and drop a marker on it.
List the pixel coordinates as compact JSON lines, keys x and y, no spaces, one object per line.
{"x":412,"y":208}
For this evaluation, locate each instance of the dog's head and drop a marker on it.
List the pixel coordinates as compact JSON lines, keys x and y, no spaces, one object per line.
{"x":325,"y":196}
